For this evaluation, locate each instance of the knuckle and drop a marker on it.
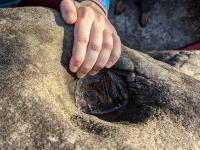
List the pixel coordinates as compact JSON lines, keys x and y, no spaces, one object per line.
{"x":82,"y":39}
{"x":85,"y":11}
{"x":95,"y":47}
{"x":100,"y":17}
{"x":99,"y":66}
{"x":86,"y":69}
{"x":117,"y":38}
{"x":108,"y":46}
{"x":116,"y":55}
{"x":78,"y":60}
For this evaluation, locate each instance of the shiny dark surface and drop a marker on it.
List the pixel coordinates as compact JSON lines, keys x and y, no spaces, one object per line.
{"x":102,"y":93}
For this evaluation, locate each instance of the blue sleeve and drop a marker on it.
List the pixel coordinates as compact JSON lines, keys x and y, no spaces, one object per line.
{"x":107,"y":3}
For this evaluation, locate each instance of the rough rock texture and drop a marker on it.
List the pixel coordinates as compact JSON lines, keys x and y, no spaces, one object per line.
{"x":37,"y":108}
{"x":187,"y":62}
{"x":172,"y":24}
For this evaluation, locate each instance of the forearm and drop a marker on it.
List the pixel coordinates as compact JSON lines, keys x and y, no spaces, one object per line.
{"x":103,"y":4}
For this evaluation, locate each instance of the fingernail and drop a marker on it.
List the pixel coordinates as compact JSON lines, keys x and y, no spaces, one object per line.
{"x":93,"y":72}
{"x":73,"y":69}
{"x":109,"y":64}
{"x":80,"y":75}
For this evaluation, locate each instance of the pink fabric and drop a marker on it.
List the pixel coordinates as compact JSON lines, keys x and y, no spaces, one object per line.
{"x":55,"y":4}
{"x":195,"y":46}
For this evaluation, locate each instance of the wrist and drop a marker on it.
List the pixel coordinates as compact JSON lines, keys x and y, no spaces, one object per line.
{"x":100,"y":4}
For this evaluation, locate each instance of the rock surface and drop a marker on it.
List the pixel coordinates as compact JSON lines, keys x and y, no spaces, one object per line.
{"x":37,"y":108}
{"x":187,"y":62}
{"x":172,"y":24}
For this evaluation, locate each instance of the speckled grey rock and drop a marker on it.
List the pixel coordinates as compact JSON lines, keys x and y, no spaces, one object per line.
{"x":37,"y":108}
{"x":170,"y":25}
{"x":187,"y":62}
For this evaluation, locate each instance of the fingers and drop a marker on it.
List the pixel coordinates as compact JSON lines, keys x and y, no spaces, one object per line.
{"x":81,"y":38}
{"x":96,"y":43}
{"x":93,"y":50}
{"x":110,"y":53}
{"x":107,"y":47}
{"x":116,"y":52}
{"x":68,"y":11}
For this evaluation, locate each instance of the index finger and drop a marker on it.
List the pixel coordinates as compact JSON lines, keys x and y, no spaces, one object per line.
{"x":81,"y":38}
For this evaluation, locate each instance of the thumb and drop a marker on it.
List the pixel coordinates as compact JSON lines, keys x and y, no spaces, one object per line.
{"x":68,"y":11}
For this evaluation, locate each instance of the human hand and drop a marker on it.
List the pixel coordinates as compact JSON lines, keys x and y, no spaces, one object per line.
{"x":96,"y":43}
